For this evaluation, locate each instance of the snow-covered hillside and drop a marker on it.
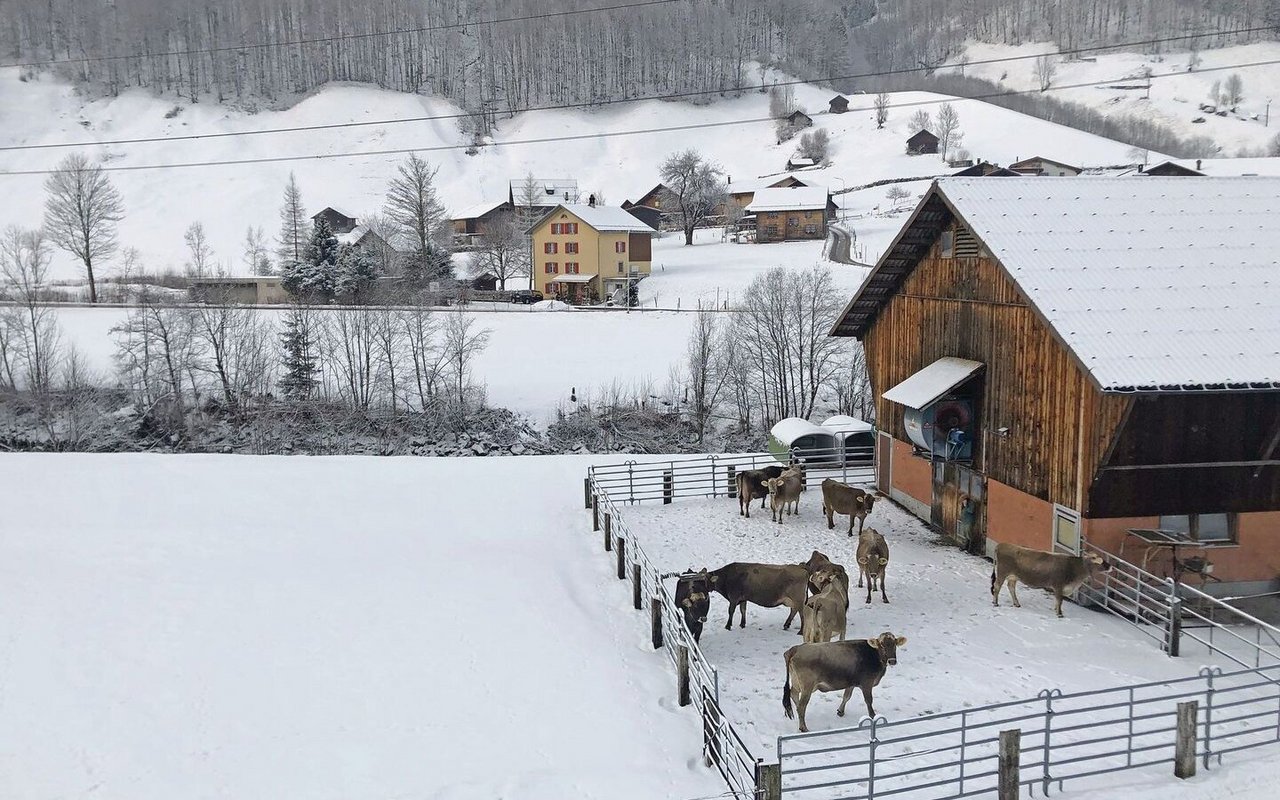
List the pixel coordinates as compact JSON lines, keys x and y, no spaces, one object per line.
{"x":324,"y":628}
{"x":160,"y":204}
{"x":1175,"y":100}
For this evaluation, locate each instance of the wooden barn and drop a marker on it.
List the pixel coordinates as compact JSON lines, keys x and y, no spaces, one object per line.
{"x":1086,"y":359}
{"x":838,"y":104}
{"x":922,"y":142}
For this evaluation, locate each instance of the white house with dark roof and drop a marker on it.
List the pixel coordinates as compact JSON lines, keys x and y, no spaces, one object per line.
{"x":1085,"y":362}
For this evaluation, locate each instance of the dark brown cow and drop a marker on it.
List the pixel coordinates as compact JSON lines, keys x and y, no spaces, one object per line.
{"x":819,"y":561}
{"x":837,"y":666}
{"x":1058,"y":572}
{"x":693,"y":596}
{"x":750,"y":485}
{"x":767,"y":585}
{"x":873,"y":559}
{"x":838,"y":498}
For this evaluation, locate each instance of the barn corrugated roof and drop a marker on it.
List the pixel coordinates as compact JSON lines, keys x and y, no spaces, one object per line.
{"x":794,"y":198}
{"x":1159,"y":284}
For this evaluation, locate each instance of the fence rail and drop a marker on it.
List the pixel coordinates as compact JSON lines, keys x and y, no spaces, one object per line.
{"x":1063,"y":737}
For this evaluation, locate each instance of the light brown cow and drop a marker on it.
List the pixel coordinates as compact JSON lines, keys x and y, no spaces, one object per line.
{"x":836,"y":666}
{"x":873,"y":558}
{"x":826,"y":613}
{"x":838,"y":498}
{"x":1058,"y":572}
{"x":784,"y":492}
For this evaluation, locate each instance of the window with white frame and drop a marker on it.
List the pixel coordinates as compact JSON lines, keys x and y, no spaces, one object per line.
{"x":1066,"y":529}
{"x":1211,"y":528}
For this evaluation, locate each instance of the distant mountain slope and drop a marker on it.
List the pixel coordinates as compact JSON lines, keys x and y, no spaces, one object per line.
{"x":160,"y":204}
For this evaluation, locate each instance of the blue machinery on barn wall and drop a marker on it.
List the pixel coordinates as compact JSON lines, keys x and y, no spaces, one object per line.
{"x":1066,"y":737}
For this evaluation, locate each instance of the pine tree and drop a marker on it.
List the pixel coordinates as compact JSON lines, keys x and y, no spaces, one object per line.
{"x":293,"y":226}
{"x":299,"y":380}
{"x":313,"y":277}
{"x":355,"y":273}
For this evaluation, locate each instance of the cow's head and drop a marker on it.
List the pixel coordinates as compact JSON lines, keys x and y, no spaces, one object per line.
{"x":696,"y":602}
{"x":1094,"y":561}
{"x":868,"y":500}
{"x":822,"y":577}
{"x":816,"y":561}
{"x":772,"y":485}
{"x":886,"y":644}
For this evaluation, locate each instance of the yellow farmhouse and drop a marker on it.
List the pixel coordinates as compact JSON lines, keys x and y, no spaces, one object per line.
{"x":586,"y":253}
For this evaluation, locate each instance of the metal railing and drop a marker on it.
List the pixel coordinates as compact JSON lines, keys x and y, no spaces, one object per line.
{"x":1065,"y":737}
{"x":723,"y":747}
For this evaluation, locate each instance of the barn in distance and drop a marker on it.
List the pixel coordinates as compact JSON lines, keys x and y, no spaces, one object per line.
{"x":1085,"y":360}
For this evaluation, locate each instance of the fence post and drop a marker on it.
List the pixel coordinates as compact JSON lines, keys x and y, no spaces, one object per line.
{"x":1047,"y":695}
{"x":668,"y":486}
{"x":710,"y":729}
{"x":595,"y":512}
{"x":768,"y":781}
{"x":1184,"y":758}
{"x":637,"y":597}
{"x":608,"y":531}
{"x":1208,"y":674}
{"x":682,"y":675}
{"x":655,"y":622}
{"x":1010,"y":751}
{"x":586,"y":491}
{"x":622,"y":559}
{"x":732,"y":472}
{"x":1173,"y":645}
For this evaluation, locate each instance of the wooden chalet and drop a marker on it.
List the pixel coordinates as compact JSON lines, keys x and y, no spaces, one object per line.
{"x":799,"y":119}
{"x":1083,"y":360}
{"x":339,"y":222}
{"x":922,"y":142}
{"x":1041,"y":166}
{"x":985,"y":169}
{"x":838,"y":104}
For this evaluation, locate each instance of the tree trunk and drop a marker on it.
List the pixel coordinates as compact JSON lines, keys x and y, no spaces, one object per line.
{"x":688,"y":235}
{"x":93,"y":289}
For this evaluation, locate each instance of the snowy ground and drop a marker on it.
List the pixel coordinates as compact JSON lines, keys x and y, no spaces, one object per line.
{"x":160,"y":204}
{"x":323,"y":629}
{"x":960,"y":651}
{"x":1175,"y":100}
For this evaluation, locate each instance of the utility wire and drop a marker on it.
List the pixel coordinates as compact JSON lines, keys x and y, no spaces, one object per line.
{"x":613,"y":134}
{"x":614,"y":101}
{"x":345,"y":36}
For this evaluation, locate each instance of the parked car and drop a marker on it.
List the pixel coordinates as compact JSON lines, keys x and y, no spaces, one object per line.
{"x":526,"y":297}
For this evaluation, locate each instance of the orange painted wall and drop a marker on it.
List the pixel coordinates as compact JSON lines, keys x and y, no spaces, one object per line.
{"x":1017,"y":517}
{"x":911,"y":474}
{"x":1256,"y":557}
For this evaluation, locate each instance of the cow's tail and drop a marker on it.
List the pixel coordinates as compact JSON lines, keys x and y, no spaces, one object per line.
{"x":993,"y":579}
{"x":786,"y":687}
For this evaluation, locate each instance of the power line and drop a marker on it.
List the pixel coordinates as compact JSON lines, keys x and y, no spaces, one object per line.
{"x":616,"y":134}
{"x":345,"y":36}
{"x":614,"y":101}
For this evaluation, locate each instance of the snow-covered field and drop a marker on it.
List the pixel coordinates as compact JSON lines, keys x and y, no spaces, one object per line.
{"x":1175,"y":100}
{"x":323,"y":629}
{"x":227,"y":199}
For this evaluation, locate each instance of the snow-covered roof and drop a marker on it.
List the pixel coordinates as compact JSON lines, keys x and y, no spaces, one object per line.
{"x":756,"y":184}
{"x":801,"y":162}
{"x":795,"y":198}
{"x":573,"y":278}
{"x":479,"y":209}
{"x":604,"y":218}
{"x":399,"y":242}
{"x":551,"y":191}
{"x":843,"y":423}
{"x":341,"y":211}
{"x":790,"y":429}
{"x":1158,"y":284}
{"x":1228,"y":167}
{"x":926,"y":386}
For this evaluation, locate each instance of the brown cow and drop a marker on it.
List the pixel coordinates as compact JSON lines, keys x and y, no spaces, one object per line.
{"x":784,"y":491}
{"x":819,"y":561}
{"x":836,"y":666}
{"x":767,"y":585}
{"x":838,"y":498}
{"x":825,"y":614}
{"x":1058,"y":572}
{"x":873,"y":557}
{"x":750,"y":486}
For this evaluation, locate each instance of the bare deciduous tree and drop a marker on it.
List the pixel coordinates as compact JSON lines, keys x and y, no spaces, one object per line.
{"x":461,"y":343}
{"x":1233,"y":89}
{"x":29,"y":350}
{"x":706,"y":379}
{"x":816,"y":145}
{"x":920,"y":121}
{"x":882,"y":109}
{"x":948,"y":129}
{"x":896,"y":195}
{"x":199,"y":253}
{"x":501,"y":252}
{"x":1046,"y":69}
{"x":414,"y":205}
{"x":254,"y":251}
{"x":155,"y":353}
{"x":81,"y":212}
{"x":696,"y":186}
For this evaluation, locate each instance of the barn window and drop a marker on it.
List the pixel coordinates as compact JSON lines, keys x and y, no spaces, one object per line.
{"x":811,"y":229}
{"x":1066,"y":529}
{"x":966,"y":244}
{"x":947,"y":244}
{"x":1219,"y":528}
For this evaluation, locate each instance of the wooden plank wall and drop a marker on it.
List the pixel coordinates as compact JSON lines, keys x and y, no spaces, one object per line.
{"x":1059,"y":424}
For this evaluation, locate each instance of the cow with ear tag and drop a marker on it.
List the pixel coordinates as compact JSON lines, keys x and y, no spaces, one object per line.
{"x":693,"y":598}
{"x":837,"y":666}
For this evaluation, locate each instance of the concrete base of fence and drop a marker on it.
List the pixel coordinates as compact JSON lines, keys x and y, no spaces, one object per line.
{"x":655,"y":622}
{"x":1008,"y":769}
{"x":637,"y":595}
{"x":682,"y":676}
{"x":622,"y":559}
{"x":1184,"y":758}
{"x":732,"y":474}
{"x":608,"y":532}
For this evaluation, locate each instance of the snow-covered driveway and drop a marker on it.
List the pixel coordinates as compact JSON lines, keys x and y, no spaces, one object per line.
{"x":268,"y":627}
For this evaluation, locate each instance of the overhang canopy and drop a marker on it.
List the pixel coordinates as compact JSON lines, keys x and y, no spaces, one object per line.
{"x":575,"y":278}
{"x":932,"y":382}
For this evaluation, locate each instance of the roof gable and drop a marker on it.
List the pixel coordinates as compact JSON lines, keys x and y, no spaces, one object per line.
{"x":1171,"y":285}
{"x":922,"y":135}
{"x":603,"y":219}
{"x":794,"y":198}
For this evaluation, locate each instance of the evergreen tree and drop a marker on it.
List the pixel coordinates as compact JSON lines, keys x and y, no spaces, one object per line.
{"x":313,"y":277}
{"x":299,"y":380}
{"x":355,"y":273}
{"x":293,"y":227}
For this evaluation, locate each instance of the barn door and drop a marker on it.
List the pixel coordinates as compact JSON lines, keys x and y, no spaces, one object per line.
{"x":959,"y":504}
{"x":884,"y":463}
